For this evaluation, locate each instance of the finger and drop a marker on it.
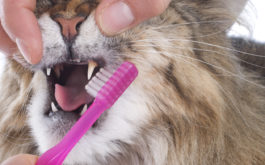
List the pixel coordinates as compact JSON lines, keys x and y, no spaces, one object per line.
{"x":7,"y":46}
{"x":23,"y":159}
{"x":20,"y":23}
{"x":115,"y":16}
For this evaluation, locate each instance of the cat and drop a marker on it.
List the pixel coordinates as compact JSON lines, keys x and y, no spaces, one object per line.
{"x":196,"y":100}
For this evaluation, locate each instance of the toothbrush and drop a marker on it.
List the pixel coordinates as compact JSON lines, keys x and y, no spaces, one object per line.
{"x":105,"y":95}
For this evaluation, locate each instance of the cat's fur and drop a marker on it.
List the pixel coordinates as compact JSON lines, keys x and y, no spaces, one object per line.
{"x":192,"y":103}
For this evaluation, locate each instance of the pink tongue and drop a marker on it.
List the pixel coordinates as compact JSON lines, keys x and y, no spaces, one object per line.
{"x":69,"y":98}
{"x":73,"y":94}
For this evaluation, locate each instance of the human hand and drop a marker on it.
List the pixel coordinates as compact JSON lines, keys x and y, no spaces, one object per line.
{"x":115,"y":16}
{"x":19,"y":28}
{"x":23,"y":159}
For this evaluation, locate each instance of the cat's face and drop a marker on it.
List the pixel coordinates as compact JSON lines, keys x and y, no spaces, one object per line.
{"x":69,"y":52}
{"x":72,"y":43}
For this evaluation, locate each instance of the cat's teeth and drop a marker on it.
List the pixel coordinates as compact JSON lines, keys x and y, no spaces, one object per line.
{"x":91,"y":67}
{"x":48,"y":71}
{"x":58,"y":70}
{"x":54,"y":108}
{"x":76,"y":60}
{"x":84,"y":109}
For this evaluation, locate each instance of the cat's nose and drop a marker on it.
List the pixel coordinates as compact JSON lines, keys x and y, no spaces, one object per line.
{"x":70,"y":27}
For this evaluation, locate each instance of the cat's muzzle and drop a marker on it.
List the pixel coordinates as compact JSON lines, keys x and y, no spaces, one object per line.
{"x":67,"y":83}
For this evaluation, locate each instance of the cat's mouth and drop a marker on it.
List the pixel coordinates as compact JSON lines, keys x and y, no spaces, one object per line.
{"x":67,"y":83}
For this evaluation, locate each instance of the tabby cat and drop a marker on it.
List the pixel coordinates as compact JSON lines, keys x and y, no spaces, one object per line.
{"x":194,"y":101}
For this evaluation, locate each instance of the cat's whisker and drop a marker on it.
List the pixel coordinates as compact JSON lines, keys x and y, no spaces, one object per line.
{"x":206,"y":35}
{"x":163,"y":27}
{"x":217,"y":67}
{"x":228,"y":72}
{"x":260,"y":77}
{"x":205,"y":50}
{"x":229,"y":97}
{"x":199,"y":42}
{"x":189,"y":23}
{"x":227,"y":94}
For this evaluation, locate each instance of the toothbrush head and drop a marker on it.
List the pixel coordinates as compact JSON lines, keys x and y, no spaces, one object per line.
{"x":108,"y":85}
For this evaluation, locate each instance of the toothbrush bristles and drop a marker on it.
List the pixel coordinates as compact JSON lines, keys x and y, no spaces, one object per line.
{"x":114,"y":78}
{"x":98,"y":81}
{"x":106,"y":72}
{"x":93,"y":92}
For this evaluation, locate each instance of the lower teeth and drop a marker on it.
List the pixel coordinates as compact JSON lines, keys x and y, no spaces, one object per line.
{"x":54,"y":108}
{"x":84,"y":109}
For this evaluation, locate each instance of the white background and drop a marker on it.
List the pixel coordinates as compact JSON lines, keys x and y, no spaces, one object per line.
{"x":255,"y":14}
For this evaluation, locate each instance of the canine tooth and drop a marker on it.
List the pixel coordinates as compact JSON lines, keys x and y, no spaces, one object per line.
{"x":84,"y":109}
{"x":54,"y":109}
{"x":48,"y":71}
{"x":91,"y":67}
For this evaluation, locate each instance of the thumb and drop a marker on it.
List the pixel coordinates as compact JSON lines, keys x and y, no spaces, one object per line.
{"x":20,"y":24}
{"x":115,"y":16}
{"x":22,"y":159}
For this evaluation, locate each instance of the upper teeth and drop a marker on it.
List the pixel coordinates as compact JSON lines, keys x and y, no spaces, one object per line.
{"x":48,"y":71}
{"x":91,"y":67}
{"x":57,"y":70}
{"x":54,"y":108}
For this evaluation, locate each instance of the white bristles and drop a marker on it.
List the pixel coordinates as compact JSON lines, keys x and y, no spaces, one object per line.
{"x":106,"y":72}
{"x":91,"y":90}
{"x":94,"y":84}
{"x":116,"y":81}
{"x":102,"y":77}
{"x":98,"y":82}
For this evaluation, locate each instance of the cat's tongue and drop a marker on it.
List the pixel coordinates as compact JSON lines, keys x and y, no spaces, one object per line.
{"x":73,"y":94}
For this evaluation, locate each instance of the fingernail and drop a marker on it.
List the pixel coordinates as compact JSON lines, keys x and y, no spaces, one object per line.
{"x":24,"y":49}
{"x":115,"y":18}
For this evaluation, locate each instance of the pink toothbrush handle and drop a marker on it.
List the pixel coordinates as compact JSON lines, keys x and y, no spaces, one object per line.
{"x":57,"y":154}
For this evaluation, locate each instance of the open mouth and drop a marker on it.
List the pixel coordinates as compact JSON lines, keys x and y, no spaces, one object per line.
{"x":67,"y":83}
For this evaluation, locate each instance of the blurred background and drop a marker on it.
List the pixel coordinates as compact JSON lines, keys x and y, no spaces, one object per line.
{"x":254,"y":13}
